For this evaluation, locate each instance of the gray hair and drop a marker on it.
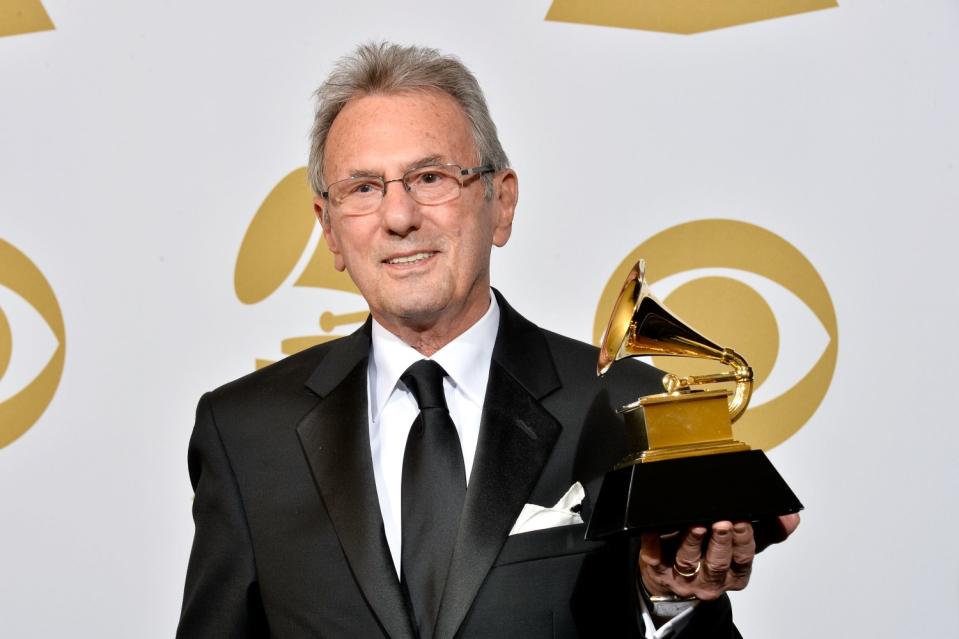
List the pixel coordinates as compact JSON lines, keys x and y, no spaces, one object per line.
{"x":386,"y":68}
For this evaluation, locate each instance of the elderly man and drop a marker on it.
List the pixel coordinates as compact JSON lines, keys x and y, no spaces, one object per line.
{"x":371,"y":486}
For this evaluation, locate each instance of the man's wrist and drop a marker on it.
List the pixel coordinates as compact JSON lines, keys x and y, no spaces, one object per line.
{"x":662,"y":608}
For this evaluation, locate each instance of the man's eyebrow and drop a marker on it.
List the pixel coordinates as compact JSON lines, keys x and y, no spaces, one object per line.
{"x":427,"y":161}
{"x":357,"y":173}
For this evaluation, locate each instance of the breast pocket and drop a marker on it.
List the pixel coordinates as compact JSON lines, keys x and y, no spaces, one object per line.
{"x":546,"y":543}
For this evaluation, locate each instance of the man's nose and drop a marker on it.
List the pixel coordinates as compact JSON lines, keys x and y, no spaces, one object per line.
{"x":400,"y":212}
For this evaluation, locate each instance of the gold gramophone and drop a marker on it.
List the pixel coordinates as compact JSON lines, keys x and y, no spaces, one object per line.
{"x":683,"y":466}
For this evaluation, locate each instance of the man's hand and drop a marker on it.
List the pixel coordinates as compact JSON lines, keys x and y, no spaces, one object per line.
{"x":706,"y":568}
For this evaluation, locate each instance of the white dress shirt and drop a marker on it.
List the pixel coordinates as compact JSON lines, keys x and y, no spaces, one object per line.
{"x":392,"y":410}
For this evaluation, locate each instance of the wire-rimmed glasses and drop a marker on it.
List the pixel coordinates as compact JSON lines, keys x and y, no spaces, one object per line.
{"x":429,"y":185}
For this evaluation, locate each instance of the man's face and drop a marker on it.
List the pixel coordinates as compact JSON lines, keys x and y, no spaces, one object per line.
{"x":420,"y":267}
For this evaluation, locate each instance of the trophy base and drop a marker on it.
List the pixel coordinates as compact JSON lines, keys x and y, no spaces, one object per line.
{"x":687,"y":450}
{"x":678,"y":493}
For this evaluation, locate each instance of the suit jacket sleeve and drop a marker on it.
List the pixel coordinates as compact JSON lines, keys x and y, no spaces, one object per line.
{"x":221,"y":597}
{"x":711,"y":620}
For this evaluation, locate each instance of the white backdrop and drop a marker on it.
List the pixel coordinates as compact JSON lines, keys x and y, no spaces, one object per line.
{"x":137,"y":140}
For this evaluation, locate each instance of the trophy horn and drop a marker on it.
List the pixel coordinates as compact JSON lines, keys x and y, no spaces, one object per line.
{"x":641,"y":325}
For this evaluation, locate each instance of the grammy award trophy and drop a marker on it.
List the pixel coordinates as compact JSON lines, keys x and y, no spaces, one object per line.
{"x":683,"y":467}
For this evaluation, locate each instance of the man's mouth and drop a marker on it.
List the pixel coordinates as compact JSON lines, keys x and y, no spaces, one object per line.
{"x":411,"y":259}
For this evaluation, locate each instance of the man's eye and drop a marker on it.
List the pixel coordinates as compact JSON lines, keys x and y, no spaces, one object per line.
{"x":430,"y":178}
{"x":364,"y":188}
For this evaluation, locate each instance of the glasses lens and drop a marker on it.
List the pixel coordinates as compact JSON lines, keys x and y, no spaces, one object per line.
{"x":355,"y":196}
{"x":433,"y":184}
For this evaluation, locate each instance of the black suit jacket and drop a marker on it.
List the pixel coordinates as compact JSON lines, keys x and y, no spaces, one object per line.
{"x":289,"y":537}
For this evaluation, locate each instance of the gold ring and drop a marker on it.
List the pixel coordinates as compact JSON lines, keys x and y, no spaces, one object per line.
{"x":691,"y":574}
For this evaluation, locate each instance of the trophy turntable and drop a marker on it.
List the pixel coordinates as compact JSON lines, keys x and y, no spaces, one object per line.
{"x":683,"y":467}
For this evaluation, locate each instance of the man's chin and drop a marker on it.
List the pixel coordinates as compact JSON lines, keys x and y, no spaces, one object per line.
{"x":414,"y":310}
{"x":420,"y":315}
{"x":424,"y":307}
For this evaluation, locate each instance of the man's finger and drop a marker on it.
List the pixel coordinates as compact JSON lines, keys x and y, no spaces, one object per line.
{"x":744,"y":550}
{"x":776,"y":530}
{"x":744,"y":543}
{"x":789,"y":524}
{"x":650,"y":550}
{"x":719,"y":554}
{"x":690,"y":551}
{"x":654,"y":572}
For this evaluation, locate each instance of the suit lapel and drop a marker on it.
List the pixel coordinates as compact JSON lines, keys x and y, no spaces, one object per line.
{"x":516,"y":437}
{"x":335,"y":439}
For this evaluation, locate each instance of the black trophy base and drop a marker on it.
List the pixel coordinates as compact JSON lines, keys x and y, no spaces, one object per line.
{"x":677,"y":493}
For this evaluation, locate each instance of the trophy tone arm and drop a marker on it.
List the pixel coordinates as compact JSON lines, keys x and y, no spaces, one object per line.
{"x":741,"y":374}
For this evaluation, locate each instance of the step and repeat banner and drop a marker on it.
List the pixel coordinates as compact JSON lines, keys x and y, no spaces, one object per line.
{"x":789,"y":169}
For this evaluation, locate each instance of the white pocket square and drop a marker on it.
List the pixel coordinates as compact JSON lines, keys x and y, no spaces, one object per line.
{"x":564,"y":513}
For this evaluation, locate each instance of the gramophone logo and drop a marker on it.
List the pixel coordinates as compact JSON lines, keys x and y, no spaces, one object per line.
{"x":23,"y":16}
{"x":283,"y":232}
{"x":724,"y":278}
{"x":26,"y":294}
{"x":678,"y":16}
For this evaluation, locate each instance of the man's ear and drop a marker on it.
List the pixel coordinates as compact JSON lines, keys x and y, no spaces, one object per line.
{"x":322,"y":216}
{"x":505,"y":196}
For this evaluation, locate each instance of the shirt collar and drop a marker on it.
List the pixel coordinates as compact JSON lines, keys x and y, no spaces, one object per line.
{"x":466,"y":360}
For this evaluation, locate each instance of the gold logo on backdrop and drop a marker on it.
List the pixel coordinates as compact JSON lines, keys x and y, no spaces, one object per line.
{"x":678,"y":16}
{"x":23,"y":16}
{"x":721,"y":306}
{"x":274,"y":244}
{"x":21,"y":411}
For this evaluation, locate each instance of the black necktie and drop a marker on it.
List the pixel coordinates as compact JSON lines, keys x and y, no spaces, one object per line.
{"x":434,"y":486}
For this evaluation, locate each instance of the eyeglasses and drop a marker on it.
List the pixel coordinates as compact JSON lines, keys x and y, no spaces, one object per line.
{"x":429,"y":185}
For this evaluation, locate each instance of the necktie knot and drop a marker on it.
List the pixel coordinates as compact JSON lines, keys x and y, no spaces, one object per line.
{"x":425,"y":380}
